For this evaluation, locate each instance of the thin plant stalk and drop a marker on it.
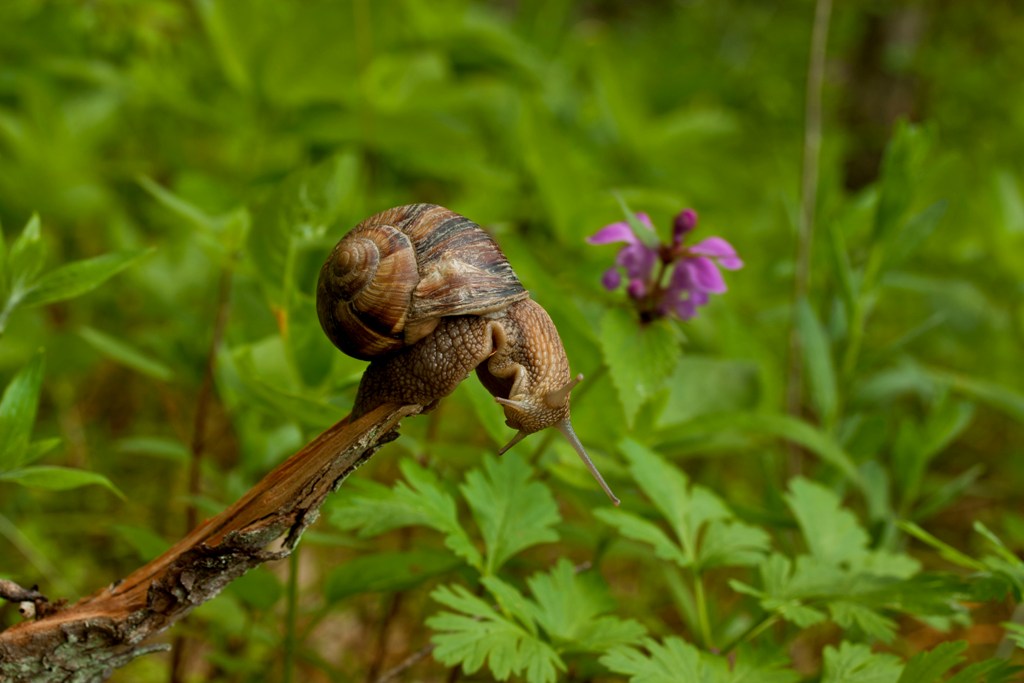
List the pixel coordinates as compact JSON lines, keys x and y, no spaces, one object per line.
{"x":198,"y":443}
{"x":291,"y":616}
{"x":703,"y":620}
{"x":808,"y":201}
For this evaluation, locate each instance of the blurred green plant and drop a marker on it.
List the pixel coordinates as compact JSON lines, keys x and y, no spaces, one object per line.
{"x":238,"y":140}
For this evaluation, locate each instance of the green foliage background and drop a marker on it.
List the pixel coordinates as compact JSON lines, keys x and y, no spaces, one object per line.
{"x":206,"y":155}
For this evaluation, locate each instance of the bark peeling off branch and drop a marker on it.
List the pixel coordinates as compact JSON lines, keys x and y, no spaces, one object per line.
{"x":88,"y":640}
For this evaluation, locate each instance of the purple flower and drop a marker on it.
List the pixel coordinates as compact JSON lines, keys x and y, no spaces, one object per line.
{"x":692,"y":272}
{"x":636,"y":258}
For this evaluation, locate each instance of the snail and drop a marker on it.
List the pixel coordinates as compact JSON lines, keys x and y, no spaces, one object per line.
{"x":427,"y":296}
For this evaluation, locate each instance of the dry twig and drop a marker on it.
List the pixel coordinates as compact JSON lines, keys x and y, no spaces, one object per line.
{"x":88,"y":640}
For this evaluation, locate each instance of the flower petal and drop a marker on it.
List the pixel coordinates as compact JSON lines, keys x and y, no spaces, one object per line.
{"x":705,"y":274}
{"x":680,"y":282}
{"x":638,"y":260}
{"x":685,"y":309}
{"x":616,"y":232}
{"x":718,"y":248}
{"x":645,"y":219}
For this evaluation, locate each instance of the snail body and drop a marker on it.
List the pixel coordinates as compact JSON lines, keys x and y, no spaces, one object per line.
{"x":428,"y":297}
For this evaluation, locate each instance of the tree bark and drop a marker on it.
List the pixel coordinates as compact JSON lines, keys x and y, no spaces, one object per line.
{"x":88,"y":640}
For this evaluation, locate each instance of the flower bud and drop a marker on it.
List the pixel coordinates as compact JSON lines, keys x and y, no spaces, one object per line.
{"x":683,"y":223}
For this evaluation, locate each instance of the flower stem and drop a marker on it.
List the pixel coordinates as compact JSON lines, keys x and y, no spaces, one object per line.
{"x":704,"y":621}
{"x":752,"y":633}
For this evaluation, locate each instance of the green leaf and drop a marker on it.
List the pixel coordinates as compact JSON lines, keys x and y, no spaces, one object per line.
{"x":420,"y":502}
{"x":858,"y":664}
{"x":18,"y":413}
{"x":632,"y":526}
{"x":386,"y":572}
{"x":570,"y":606}
{"x":146,"y":542}
{"x":1014,"y":633}
{"x":926,"y":667}
{"x":849,"y":615}
{"x":832,"y":533}
{"x":296,"y":214}
{"x":52,"y":478}
{"x":675,"y":661}
{"x":25,"y":259}
{"x":996,"y":395}
{"x":948,"y":552}
{"x":914,"y":234}
{"x":775,"y":425}
{"x":817,"y":359}
{"x":512,"y":512}
{"x":671,"y":662}
{"x":640,"y":358}
{"x":988,"y":671}
{"x":475,"y":634}
{"x":707,"y":533}
{"x":78,"y":277}
{"x":125,"y":354}
{"x":257,"y":588}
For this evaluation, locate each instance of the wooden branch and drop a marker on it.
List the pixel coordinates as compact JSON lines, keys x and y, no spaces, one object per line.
{"x":88,"y":640}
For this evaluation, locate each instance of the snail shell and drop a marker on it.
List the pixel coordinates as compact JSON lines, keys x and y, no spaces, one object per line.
{"x":388,"y":282}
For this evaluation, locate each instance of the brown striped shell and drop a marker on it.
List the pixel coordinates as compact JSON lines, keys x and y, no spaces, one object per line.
{"x":388,"y":282}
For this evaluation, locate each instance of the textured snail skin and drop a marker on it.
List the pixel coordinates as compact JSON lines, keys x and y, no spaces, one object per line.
{"x":528,"y":364}
{"x":429,"y":370}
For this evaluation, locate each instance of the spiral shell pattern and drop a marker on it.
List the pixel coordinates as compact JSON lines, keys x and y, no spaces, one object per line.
{"x":390,"y":280}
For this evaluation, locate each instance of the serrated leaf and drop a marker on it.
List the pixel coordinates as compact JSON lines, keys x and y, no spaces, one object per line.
{"x":513,"y":513}
{"x":832,"y":532}
{"x":512,"y":602}
{"x":675,"y":661}
{"x":707,"y":533}
{"x":926,"y":667}
{"x":988,"y":671}
{"x":478,"y":635}
{"x":858,"y":664}
{"x":849,"y":615}
{"x":386,"y":571}
{"x":53,"y":478}
{"x":639,"y":529}
{"x":18,"y":413}
{"x":733,"y":544}
{"x":1014,"y":633}
{"x":78,"y":277}
{"x":668,"y":488}
{"x":671,"y":662}
{"x":125,"y":354}
{"x":640,"y":358}
{"x":817,"y":358}
{"x":420,"y":502}
{"x":569,"y":609}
